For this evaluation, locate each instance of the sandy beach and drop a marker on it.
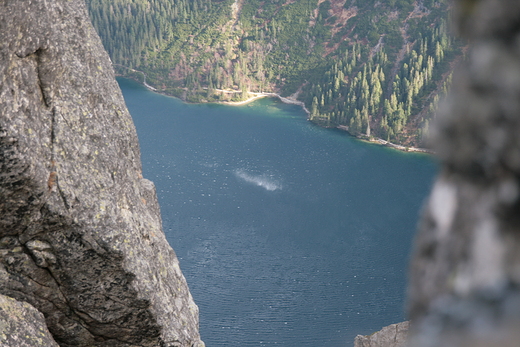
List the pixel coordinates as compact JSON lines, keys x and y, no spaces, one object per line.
{"x":256,"y":96}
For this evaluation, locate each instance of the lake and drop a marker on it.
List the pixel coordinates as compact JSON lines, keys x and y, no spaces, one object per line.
{"x":288,"y":234}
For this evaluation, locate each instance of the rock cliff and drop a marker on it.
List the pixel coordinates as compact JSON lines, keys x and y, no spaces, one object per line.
{"x":81,"y":239}
{"x":465,"y":275}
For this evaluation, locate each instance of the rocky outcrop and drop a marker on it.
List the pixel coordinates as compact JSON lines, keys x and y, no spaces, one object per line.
{"x":80,"y":234}
{"x":465,"y":275}
{"x":390,"y":336}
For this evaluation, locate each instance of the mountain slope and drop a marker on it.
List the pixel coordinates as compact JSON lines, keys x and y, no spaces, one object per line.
{"x":374,"y":67}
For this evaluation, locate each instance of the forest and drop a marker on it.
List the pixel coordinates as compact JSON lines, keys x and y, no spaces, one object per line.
{"x":376,"y":68}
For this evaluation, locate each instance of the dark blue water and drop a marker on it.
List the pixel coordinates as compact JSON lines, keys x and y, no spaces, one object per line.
{"x":288,"y":234}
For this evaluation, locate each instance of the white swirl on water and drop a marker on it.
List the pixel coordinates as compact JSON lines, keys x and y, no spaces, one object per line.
{"x":264,"y":181}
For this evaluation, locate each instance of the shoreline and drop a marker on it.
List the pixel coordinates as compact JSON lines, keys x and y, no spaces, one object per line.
{"x":384,"y":143}
{"x":373,"y":140}
{"x":290,"y":100}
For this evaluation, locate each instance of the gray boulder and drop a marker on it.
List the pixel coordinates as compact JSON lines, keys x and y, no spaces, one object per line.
{"x":21,"y":325}
{"x":394,"y":335}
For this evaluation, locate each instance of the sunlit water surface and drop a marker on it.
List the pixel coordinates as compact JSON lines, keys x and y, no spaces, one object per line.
{"x":288,"y":234}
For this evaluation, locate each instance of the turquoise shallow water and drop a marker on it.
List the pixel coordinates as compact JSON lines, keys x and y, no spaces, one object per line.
{"x":288,"y":234}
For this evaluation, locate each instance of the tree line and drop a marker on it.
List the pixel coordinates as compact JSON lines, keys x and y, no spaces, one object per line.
{"x":377,"y":67}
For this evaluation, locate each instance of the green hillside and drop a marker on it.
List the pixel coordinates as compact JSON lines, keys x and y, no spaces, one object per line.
{"x":376,"y":67}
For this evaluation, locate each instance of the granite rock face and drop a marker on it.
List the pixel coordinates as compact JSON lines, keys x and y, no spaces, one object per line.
{"x":390,"y":336}
{"x":80,"y":230}
{"x":465,"y":275}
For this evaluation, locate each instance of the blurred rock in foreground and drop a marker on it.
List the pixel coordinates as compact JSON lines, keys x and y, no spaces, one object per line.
{"x":464,"y":286}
